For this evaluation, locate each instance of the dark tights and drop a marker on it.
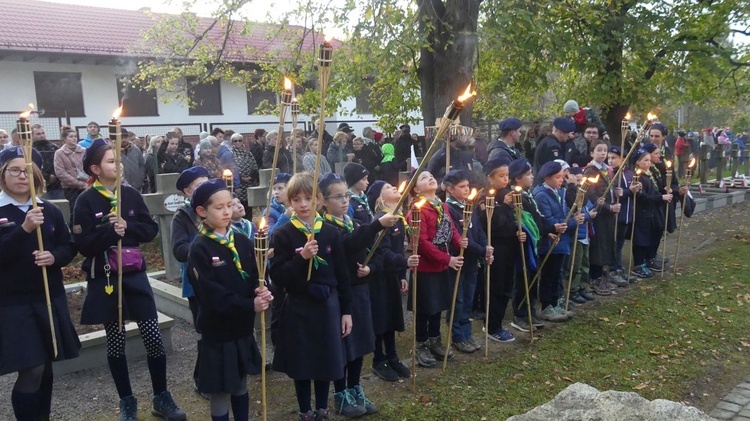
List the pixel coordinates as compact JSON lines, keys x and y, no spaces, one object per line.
{"x":302,"y":388}
{"x":385,"y":342}
{"x":427,"y":326}
{"x":118,"y":363}
{"x":32,"y":393}
{"x":353,"y":371}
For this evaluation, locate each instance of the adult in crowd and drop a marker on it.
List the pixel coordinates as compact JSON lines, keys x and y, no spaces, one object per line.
{"x":218,"y":133}
{"x":184,"y":147}
{"x":308,"y":161}
{"x":327,"y":138}
{"x":258,"y":145}
{"x":196,"y":152}
{"x":47,"y":149}
{"x":368,"y":153}
{"x":152,"y":162}
{"x":297,"y":147}
{"x":284,"y":160}
{"x":338,"y":151}
{"x":134,"y":166}
{"x":460,"y":160}
{"x":170,"y":158}
{"x":657,"y":135}
{"x":69,"y":165}
{"x":402,"y":145}
{"x":92,"y":132}
{"x":207,"y":158}
{"x":15,"y":140}
{"x":388,"y":165}
{"x":246,"y":166}
{"x":683,"y":152}
{"x":530,"y":140}
{"x":225,"y":155}
{"x":140,"y":143}
{"x":481,"y":148}
{"x":506,"y":145}
{"x":4,"y":140}
{"x":584,"y":116}
{"x":551,"y":147}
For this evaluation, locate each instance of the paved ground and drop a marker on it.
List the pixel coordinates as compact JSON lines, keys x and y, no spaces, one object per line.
{"x":736,"y":405}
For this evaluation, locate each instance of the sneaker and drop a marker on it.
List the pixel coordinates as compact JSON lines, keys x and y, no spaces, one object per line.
{"x":128,"y":409}
{"x":614,"y":278}
{"x":567,"y":313}
{"x":437,"y":348}
{"x":346,"y":405}
{"x":362,"y":401}
{"x":384,"y":371}
{"x":551,"y":314}
{"x":399,"y":368}
{"x":307,"y":416}
{"x":502,"y":335}
{"x":632,"y":279}
{"x":588,"y":296}
{"x":654,"y":266}
{"x":477,"y":346}
{"x":536,"y":322}
{"x":642,"y":271}
{"x":321,"y":415}
{"x":165,"y":407}
{"x":464,"y":346}
{"x":599,"y":287}
{"x":577,"y":298}
{"x":424,"y":356}
{"x":561,"y":304}
{"x":521,"y":324}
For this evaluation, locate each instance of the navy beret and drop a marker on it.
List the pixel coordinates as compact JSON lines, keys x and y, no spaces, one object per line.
{"x":576,"y":170}
{"x":456,"y":176}
{"x":16,"y":152}
{"x":518,"y":168}
{"x":615,"y":150}
{"x":203,"y":193}
{"x":494,"y":164}
{"x":638,"y":154}
{"x":281,"y":177}
{"x":650,"y":147}
{"x":329,"y":179}
{"x":564,"y":124}
{"x":354,"y":172}
{"x":510,"y":123}
{"x":549,"y":169}
{"x":93,"y":151}
{"x":373,"y":193}
{"x":189,"y":175}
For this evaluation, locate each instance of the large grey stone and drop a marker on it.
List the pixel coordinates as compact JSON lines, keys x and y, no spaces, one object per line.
{"x":581,"y":402}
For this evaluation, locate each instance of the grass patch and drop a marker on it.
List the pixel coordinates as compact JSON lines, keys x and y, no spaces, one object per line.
{"x":663,"y":339}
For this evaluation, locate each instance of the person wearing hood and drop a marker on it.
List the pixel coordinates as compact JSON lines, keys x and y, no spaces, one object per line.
{"x":388,"y":165}
{"x":92,"y":132}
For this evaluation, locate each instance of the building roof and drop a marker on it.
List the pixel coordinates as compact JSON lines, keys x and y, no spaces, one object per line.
{"x":44,"y":27}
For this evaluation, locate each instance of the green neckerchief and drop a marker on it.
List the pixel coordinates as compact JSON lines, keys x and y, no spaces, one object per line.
{"x":438,"y":206}
{"x":653,"y":178}
{"x":362,"y":200}
{"x":187,"y":202}
{"x":227,"y":241}
{"x":243,"y":226}
{"x":345,"y":222}
{"x":400,"y":214}
{"x":557,"y":194}
{"x":527,"y":220}
{"x":108,"y":194}
{"x":317,"y":225}
{"x":451,"y":201}
{"x":530,"y":196}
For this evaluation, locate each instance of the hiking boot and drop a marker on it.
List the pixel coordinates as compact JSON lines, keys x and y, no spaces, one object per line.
{"x":551,"y":314}
{"x":128,"y":409}
{"x":561,"y":304}
{"x":437,"y":348}
{"x":599,"y":287}
{"x":642,"y":272}
{"x":464,"y":346}
{"x":346,"y":405}
{"x":424,"y":356}
{"x":567,"y":313}
{"x":400,"y":369}
{"x":502,"y":335}
{"x":307,"y":416}
{"x":165,"y":407}
{"x":521,"y":324}
{"x":654,"y":266}
{"x":384,"y":371}
{"x":588,"y":296}
{"x":362,"y":401}
{"x":577,"y":298}
{"x":614,"y":278}
{"x":477,"y":346}
{"x":321,"y":415}
{"x":624,"y":275}
{"x":536,"y":322}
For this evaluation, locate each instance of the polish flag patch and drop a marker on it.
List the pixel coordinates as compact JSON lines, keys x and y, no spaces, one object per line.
{"x":98,"y":214}
{"x":298,"y":250}
{"x":215,"y":260}
{"x":3,"y":220}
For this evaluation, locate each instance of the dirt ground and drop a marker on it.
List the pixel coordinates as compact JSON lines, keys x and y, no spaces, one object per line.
{"x":90,"y":394}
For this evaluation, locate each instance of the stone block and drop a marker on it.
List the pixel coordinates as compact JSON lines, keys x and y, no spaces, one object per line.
{"x":737,"y":398}
{"x":721,"y":414}
{"x":728,"y":406}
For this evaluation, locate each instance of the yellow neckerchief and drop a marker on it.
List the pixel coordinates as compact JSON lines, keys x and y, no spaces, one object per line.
{"x":227,"y":241}
{"x":400,"y":214}
{"x":317,"y":225}
{"x":108,"y":194}
{"x":345,"y":222}
{"x":438,"y":206}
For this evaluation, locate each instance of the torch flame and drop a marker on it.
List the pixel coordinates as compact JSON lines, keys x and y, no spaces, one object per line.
{"x":227,"y":173}
{"x":472,"y":195}
{"x":117,"y":112}
{"x":419,"y":204}
{"x":294,"y":100}
{"x":401,"y":187}
{"x":468,"y":93}
{"x":668,"y":163}
{"x":287,"y":84}
{"x":262,"y":224}
{"x":518,"y":189}
{"x":692,"y":163}
{"x":638,"y":172}
{"x":28,"y":113}
{"x":594,"y":180}
{"x":627,"y":116}
{"x":328,"y":38}
{"x":651,"y":117}
{"x":491,"y":193}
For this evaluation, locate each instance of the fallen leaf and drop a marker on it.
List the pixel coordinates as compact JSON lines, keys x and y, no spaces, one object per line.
{"x":641,"y":386}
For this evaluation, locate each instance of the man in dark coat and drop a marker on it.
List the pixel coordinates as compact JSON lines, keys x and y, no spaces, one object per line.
{"x":47,"y":150}
{"x":327,"y":138}
{"x":551,"y":147}
{"x":510,"y":134}
{"x":403,"y":147}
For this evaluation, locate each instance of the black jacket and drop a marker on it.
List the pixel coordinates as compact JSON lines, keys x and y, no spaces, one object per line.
{"x":547,"y":150}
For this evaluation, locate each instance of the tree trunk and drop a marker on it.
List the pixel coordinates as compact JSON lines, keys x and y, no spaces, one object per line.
{"x":613,"y":121}
{"x":447,"y":65}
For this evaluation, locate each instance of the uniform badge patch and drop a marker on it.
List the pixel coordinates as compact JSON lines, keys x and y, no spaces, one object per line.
{"x":328,"y":249}
{"x":98,"y":214}
{"x":131,"y":212}
{"x":554,"y":153}
{"x":77,"y":229}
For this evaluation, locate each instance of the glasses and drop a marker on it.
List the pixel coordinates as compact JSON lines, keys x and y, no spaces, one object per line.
{"x":340,"y":197}
{"x":16,"y":172}
{"x":237,"y":141}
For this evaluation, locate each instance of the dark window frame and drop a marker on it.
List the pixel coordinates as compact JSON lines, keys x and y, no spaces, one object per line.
{"x":53,"y":97}
{"x":198,"y":107}
{"x":136,"y":93}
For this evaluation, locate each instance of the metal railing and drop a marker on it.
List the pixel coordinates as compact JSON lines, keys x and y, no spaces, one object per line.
{"x":51,"y":124}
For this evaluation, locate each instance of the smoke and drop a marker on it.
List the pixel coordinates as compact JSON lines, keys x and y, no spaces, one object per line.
{"x":125,"y":68}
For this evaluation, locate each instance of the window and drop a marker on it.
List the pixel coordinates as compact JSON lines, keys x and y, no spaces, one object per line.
{"x":363,"y":102}
{"x":59,"y":94}
{"x":257,"y":96}
{"x":205,"y":98}
{"x":135,"y":101}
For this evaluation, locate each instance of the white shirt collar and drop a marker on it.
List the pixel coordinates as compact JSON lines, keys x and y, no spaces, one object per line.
{"x":5,"y":200}
{"x":602,"y":166}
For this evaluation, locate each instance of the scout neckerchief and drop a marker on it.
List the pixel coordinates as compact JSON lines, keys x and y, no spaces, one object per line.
{"x":556,"y":192}
{"x":107,"y":194}
{"x":227,"y":241}
{"x":437,"y":204}
{"x":451,"y":201}
{"x":527,"y":194}
{"x":653,"y":177}
{"x":243,"y":226}
{"x":362,"y":200}
{"x":400,"y":214}
{"x":317,"y":225}
{"x":345,"y":222}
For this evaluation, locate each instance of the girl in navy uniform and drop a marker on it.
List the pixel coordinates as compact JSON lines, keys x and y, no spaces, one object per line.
{"x":625,"y":216}
{"x":435,"y":289}
{"x":222,"y":269}
{"x":25,"y":338}
{"x":96,"y":231}
{"x":356,"y":179}
{"x":349,"y":397}
{"x":316,"y":314}
{"x":388,"y":284}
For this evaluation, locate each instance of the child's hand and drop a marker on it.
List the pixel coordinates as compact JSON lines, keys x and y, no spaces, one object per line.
{"x":43,"y":258}
{"x":362,"y":271}
{"x":593,"y":213}
{"x":413,"y":261}
{"x":388,"y":220}
{"x":560,"y":228}
{"x":456,"y":262}
{"x":683,"y":190}
{"x":262,"y":299}
{"x":346,"y":325}
{"x":404,"y":285}
{"x":600,"y":201}
{"x":552,"y":237}
{"x":464,"y":243}
{"x":615,"y":208}
{"x":618,"y":191}
{"x":310,"y":249}
{"x":508,"y":199}
{"x":288,"y":211}
{"x":489,"y":252}
{"x":580,"y":218}
{"x":521,"y":236}
{"x":666,"y":197}
{"x":34,"y":218}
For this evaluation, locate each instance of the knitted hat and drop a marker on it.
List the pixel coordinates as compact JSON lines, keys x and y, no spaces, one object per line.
{"x":518,"y":168}
{"x":16,"y":152}
{"x":354,"y":172}
{"x":281,"y":177}
{"x":203,"y":193}
{"x":189,"y":175}
{"x":571,"y":107}
{"x":373,"y":193}
{"x":549,"y":169}
{"x":93,"y":123}
{"x":494,"y":164}
{"x":95,"y":152}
